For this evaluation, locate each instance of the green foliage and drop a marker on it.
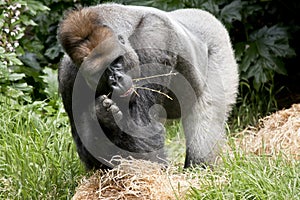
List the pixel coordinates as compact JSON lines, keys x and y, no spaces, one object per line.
{"x":251,"y":107}
{"x":262,"y":55}
{"x":11,"y":82}
{"x":40,"y":45}
{"x":50,"y":79}
{"x":51,"y":90}
{"x":14,"y":19}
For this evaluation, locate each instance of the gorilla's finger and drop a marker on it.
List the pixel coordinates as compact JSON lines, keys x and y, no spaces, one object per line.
{"x":102,"y":98}
{"x":107,"y":103}
{"x":113,"y":109}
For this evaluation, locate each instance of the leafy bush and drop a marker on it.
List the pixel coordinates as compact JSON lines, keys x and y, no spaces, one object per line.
{"x":15,"y":17}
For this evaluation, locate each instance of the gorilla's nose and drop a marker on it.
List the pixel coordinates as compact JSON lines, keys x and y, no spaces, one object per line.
{"x":115,"y":78}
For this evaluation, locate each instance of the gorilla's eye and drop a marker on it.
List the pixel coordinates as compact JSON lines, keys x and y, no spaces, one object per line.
{"x":117,"y":61}
{"x":117,"y":67}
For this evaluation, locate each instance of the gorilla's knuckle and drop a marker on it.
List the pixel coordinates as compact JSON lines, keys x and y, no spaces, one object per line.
{"x":107,"y":103}
{"x":102,"y":98}
{"x":114,"y":109}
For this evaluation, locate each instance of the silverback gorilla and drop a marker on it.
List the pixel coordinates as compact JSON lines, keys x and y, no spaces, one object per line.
{"x":128,"y":68}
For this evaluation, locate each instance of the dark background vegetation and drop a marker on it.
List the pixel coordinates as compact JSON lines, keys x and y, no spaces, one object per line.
{"x":264,"y":33}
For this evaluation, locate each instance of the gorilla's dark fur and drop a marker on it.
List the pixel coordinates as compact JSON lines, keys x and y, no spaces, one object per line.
{"x":110,"y":47}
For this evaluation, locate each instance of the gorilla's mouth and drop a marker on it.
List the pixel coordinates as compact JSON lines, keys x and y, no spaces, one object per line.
{"x":122,"y":87}
{"x":128,"y":92}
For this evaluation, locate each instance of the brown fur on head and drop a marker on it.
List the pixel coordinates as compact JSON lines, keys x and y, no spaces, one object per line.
{"x":80,"y":32}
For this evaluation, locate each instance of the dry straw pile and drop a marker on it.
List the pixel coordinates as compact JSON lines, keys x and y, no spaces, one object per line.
{"x":276,"y":134}
{"x":137,"y":179}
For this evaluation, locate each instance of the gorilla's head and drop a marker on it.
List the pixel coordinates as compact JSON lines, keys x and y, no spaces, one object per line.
{"x":105,"y":68}
{"x":105,"y":59}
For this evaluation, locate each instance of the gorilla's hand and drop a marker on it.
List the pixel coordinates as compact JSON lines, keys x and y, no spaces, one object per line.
{"x":107,"y":111}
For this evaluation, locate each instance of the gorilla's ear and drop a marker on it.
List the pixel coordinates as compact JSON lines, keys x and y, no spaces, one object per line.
{"x":80,"y":32}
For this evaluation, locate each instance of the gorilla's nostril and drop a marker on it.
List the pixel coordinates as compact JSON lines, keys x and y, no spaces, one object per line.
{"x":119,"y":77}
{"x":111,"y":78}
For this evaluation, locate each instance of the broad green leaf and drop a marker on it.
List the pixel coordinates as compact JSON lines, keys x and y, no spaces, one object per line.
{"x":52,"y":52}
{"x":2,"y":50}
{"x":251,"y":55}
{"x":15,"y":76}
{"x":272,"y":40}
{"x":254,"y":70}
{"x":250,"y":9}
{"x":279,"y":66}
{"x":212,"y":8}
{"x":50,"y":78}
{"x":262,"y":49}
{"x":23,"y":87}
{"x":239,"y":50}
{"x":1,"y":22}
{"x":15,"y":60}
{"x":264,"y":56}
{"x":30,"y":59}
{"x":12,"y":92}
{"x":282,"y":48}
{"x":232,"y":11}
{"x":35,"y":6}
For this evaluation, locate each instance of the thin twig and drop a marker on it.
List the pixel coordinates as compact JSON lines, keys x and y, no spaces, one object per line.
{"x":134,"y":90}
{"x":153,"y":90}
{"x":155,"y":76}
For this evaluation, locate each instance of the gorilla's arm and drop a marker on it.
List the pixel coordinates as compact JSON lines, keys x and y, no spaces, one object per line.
{"x":129,"y":131}
{"x":132,"y":132}
{"x":67,"y":74}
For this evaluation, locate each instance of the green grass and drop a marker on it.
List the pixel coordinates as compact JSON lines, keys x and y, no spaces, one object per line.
{"x":250,"y":177}
{"x":251,"y":106}
{"x":38,"y":160}
{"x":239,"y":176}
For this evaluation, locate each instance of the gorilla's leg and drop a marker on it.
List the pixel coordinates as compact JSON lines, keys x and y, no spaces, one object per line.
{"x":67,"y":74}
{"x":90,"y":162}
{"x":204,"y":130}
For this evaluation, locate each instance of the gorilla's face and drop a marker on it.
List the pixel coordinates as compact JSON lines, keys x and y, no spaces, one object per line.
{"x":117,"y":80}
{"x":104,"y":68}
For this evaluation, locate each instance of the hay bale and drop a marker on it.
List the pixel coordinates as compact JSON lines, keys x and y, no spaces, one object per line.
{"x":135,"y":179}
{"x":276,"y":134}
